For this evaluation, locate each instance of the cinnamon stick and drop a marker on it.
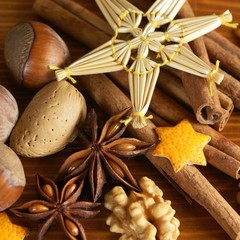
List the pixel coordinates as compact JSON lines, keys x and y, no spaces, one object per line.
{"x":171,"y":84}
{"x":226,"y":43}
{"x":228,"y":61}
{"x":86,"y":15}
{"x":222,"y":161}
{"x":76,"y":27}
{"x":230,"y":86}
{"x":104,"y":92}
{"x":207,"y":108}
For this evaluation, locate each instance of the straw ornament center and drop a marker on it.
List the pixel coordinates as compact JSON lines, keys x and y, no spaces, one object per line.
{"x":140,"y":36}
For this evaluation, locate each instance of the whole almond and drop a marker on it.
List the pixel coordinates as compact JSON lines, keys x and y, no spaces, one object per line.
{"x":50,"y":120}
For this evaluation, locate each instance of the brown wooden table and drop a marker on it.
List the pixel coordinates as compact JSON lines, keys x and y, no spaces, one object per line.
{"x":196,"y":223}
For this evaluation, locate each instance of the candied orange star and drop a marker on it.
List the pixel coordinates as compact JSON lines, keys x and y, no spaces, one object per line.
{"x":10,"y":231}
{"x":182,"y":145}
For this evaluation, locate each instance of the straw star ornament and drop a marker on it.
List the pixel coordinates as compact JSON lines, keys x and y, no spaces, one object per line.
{"x":141,"y":47}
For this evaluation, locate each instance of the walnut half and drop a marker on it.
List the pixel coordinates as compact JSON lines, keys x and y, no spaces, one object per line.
{"x":145,"y":215}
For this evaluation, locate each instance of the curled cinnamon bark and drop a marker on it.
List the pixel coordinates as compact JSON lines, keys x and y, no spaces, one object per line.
{"x":207,"y":108}
{"x":171,"y":84}
{"x":230,"y":86}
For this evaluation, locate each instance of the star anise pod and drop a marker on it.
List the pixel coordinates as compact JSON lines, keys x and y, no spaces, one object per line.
{"x":60,"y":205}
{"x":103,"y":155}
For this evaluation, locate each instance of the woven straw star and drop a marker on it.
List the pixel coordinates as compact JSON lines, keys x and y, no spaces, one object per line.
{"x":182,"y":145}
{"x":147,"y":48}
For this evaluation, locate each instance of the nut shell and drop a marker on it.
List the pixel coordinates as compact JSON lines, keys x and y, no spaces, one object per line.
{"x":9,"y":113}
{"x":29,"y":49}
{"x":12,"y":177}
{"x":50,"y":120}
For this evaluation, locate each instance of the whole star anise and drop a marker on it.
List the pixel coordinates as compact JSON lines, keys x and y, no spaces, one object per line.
{"x":60,"y":205}
{"x":102,"y":155}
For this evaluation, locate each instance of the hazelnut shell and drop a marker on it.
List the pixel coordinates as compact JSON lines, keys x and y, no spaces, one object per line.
{"x":29,"y":49}
{"x":9,"y":113}
{"x":12,"y":177}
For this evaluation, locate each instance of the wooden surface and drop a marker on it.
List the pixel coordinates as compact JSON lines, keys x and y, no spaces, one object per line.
{"x":196,"y":223}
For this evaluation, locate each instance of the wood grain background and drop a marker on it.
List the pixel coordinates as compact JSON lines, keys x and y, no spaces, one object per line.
{"x":196,"y":223}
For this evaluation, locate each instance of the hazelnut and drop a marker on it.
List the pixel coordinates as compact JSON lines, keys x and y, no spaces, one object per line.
{"x":9,"y":113}
{"x":29,"y":49}
{"x":12,"y":177}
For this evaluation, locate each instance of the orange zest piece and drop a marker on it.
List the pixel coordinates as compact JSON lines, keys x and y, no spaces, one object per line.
{"x":182,"y":145}
{"x":10,"y":231}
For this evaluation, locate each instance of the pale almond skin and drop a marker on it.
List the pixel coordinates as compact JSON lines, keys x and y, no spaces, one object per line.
{"x":9,"y":113}
{"x":12,"y":177}
{"x":50,"y":120}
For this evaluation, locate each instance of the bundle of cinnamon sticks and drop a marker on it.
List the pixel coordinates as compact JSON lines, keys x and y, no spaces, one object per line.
{"x":180,"y":93}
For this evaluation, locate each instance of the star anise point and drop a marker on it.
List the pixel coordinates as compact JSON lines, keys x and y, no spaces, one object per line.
{"x":103,"y":155}
{"x":62,"y":205}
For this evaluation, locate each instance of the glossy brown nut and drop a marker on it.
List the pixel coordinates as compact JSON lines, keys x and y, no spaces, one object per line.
{"x":29,"y":49}
{"x":12,"y":177}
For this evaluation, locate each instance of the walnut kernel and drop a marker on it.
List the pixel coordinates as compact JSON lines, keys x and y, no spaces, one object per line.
{"x":145,"y":215}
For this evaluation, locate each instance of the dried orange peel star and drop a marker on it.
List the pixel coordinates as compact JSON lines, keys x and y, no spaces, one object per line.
{"x":182,"y":145}
{"x":10,"y":231}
